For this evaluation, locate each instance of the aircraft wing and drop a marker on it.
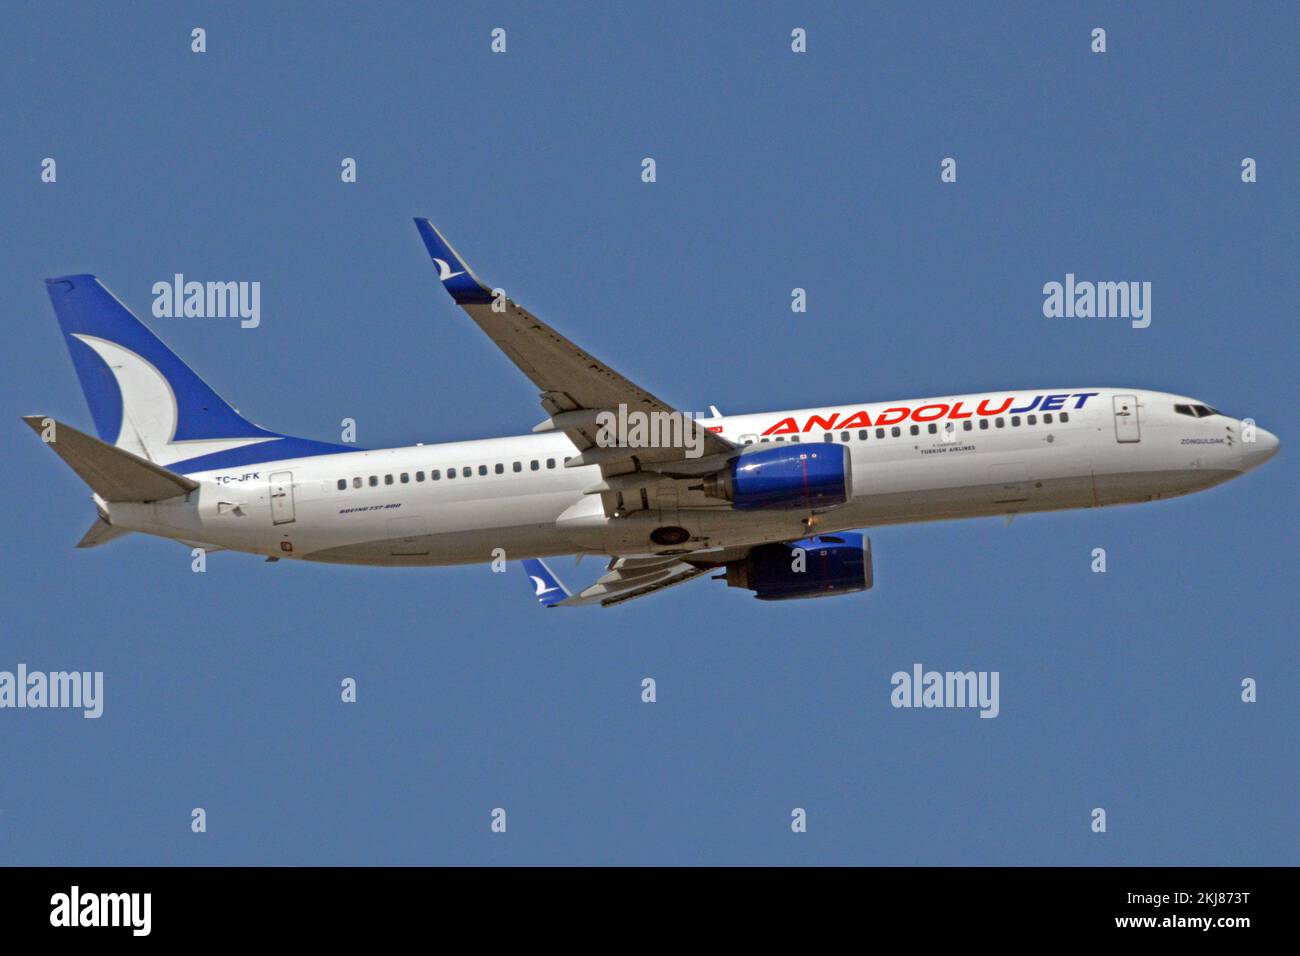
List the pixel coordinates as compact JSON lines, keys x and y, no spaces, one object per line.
{"x":624,"y":579}
{"x":575,"y":387}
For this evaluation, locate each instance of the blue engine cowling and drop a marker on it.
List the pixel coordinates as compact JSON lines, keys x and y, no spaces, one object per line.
{"x":832,"y":564}
{"x":805,"y":477}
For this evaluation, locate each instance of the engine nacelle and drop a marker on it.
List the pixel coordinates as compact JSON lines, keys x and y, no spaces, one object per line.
{"x":788,"y":477}
{"x":832,"y":564}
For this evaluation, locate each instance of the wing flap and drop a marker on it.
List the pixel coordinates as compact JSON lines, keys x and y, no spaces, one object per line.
{"x":633,"y":578}
{"x":628,"y":577}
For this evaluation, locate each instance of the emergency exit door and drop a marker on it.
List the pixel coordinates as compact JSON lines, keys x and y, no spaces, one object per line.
{"x":281,"y":497}
{"x":1126,"y":418}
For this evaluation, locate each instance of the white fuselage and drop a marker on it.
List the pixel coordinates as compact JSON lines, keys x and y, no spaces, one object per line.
{"x":1102,"y":447}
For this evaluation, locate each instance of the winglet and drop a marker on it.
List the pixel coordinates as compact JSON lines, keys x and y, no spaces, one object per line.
{"x":548,"y":587}
{"x":456,"y":277}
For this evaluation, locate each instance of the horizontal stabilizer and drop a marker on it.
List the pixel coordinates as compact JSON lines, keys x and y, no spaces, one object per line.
{"x":113,"y":474}
{"x":101,"y":532}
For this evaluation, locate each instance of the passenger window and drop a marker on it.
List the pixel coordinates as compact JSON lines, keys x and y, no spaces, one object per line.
{"x":862,"y":435}
{"x":762,"y":441}
{"x":794,"y":439}
{"x":966,"y":425}
{"x":534,"y":464}
{"x":880,"y":433}
{"x":500,"y":468}
{"x":1002,"y":423}
{"x":984,"y":423}
{"x":780,"y":439}
{"x":374,"y":480}
{"x":933,"y":428}
{"x":343,"y":483}
{"x":895,"y":431}
{"x":1047,"y":419}
{"x":451,"y":473}
{"x":1065,"y":417}
{"x":356,"y":482}
{"x":844,"y":436}
{"x":1015,"y":421}
{"x":466,"y":472}
{"x":435,"y":474}
{"x":388,"y":479}
{"x":1032,"y":420}
{"x":419,"y":476}
{"x":405,"y":478}
{"x":482,"y":469}
{"x":916,"y":429}
{"x":828,"y":437}
{"x":518,"y":466}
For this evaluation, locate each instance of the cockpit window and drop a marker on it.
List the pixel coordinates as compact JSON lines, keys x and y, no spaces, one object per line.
{"x":1196,"y":411}
{"x":1185,"y":410}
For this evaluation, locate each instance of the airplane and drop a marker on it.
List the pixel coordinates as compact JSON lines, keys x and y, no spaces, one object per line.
{"x":769,"y":502}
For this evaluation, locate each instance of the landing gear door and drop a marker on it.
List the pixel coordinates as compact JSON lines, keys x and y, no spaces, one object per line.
{"x":1127,"y":428}
{"x":281,"y":497}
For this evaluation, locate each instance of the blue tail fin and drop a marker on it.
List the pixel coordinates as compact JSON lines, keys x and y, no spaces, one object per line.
{"x":144,"y":399}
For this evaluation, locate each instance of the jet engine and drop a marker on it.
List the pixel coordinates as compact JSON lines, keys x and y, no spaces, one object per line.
{"x":785,"y":478}
{"x":820,"y":566}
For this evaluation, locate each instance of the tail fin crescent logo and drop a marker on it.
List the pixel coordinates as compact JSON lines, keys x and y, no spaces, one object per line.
{"x":444,"y":270}
{"x":149,"y":409}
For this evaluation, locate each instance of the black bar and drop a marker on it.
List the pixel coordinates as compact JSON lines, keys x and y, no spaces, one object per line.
{"x":372,"y":904}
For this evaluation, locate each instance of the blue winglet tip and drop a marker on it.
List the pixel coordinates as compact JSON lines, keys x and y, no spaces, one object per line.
{"x":547,"y":588}
{"x":456,"y":277}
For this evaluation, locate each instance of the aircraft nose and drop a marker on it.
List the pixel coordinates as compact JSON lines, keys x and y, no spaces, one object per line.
{"x":1264,"y":447}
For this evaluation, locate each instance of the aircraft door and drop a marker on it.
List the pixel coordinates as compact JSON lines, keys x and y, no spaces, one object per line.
{"x":282,"y":497}
{"x":1127,"y":428}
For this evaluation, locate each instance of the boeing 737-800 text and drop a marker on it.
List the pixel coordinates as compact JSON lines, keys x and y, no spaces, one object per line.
{"x":767,"y":500}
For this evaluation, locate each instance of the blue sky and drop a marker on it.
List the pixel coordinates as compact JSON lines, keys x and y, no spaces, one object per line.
{"x":775,"y":170}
